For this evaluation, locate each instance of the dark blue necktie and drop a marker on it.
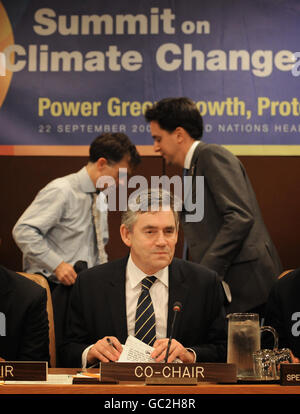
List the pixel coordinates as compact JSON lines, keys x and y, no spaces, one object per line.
{"x":145,"y":318}
{"x":185,"y":172}
{"x":185,"y":246}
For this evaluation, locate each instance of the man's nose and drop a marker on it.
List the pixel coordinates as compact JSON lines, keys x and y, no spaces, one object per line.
{"x":161,"y":239}
{"x":156,"y":146}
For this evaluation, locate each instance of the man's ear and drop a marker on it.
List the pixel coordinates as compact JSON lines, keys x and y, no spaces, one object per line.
{"x":180,"y":134}
{"x":101,"y":163}
{"x":125,"y":235}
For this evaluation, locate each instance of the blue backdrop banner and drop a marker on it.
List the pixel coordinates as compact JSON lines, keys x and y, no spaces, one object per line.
{"x":70,"y":70}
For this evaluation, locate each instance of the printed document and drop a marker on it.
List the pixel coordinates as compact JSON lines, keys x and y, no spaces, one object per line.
{"x":135,"y":350}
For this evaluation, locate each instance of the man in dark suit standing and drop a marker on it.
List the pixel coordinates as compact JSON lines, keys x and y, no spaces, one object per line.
{"x":105,"y":298}
{"x":231,"y":238}
{"x":24,"y":329}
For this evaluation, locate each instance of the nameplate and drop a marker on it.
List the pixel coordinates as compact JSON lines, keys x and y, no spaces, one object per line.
{"x":23,"y":371}
{"x":290,"y":374}
{"x":148,"y":372}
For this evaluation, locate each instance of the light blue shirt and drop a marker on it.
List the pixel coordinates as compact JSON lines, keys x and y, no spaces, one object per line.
{"x":58,"y":226}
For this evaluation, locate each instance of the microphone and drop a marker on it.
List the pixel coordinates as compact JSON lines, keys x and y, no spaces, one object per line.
{"x":80,"y":265}
{"x":177,"y":307}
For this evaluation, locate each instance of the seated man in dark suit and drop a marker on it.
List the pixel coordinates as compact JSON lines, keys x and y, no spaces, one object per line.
{"x":105,"y":298}
{"x":24,"y":328}
{"x":283,"y":312}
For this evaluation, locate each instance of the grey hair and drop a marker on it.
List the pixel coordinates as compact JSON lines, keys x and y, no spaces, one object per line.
{"x":151,"y":200}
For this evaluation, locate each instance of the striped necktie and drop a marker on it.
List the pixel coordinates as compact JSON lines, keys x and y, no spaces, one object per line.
{"x":145,"y":318}
{"x":100,"y":218}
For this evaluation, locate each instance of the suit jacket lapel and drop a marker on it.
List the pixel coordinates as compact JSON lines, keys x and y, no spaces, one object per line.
{"x":117,"y":300}
{"x":189,"y":185}
{"x":178,"y":289}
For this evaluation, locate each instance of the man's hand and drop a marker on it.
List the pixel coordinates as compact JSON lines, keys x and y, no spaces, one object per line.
{"x":295,"y":360}
{"x":66,"y":274}
{"x":176,"y":351}
{"x":105,"y":351}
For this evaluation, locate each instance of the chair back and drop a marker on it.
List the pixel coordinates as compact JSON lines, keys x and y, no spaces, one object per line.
{"x":42,"y":281}
{"x":285,"y":272}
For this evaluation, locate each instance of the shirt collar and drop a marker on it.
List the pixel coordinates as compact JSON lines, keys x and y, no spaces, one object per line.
{"x":136,"y":275}
{"x":189,"y":155}
{"x":85,"y":181}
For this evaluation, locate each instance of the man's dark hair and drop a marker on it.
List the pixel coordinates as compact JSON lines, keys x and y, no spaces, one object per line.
{"x":171,"y":113}
{"x":114,"y":147}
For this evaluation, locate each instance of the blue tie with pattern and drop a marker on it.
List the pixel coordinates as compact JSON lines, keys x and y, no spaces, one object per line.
{"x":145,"y":318}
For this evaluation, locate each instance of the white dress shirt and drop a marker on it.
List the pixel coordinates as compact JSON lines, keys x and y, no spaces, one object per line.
{"x":189,"y":155}
{"x":159,"y":293}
